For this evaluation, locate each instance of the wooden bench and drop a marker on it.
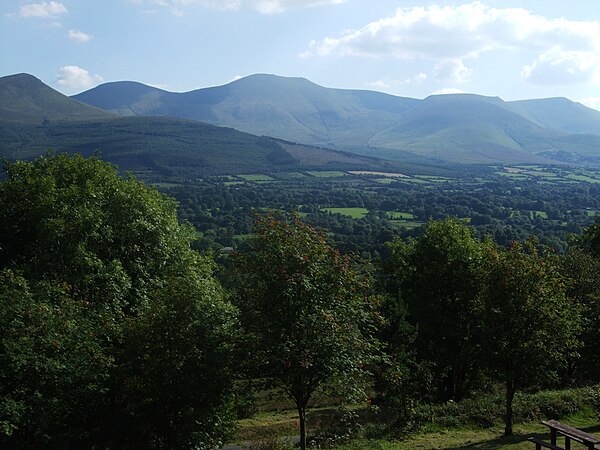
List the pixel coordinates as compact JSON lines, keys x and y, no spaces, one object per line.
{"x":539,"y":444}
{"x":570,"y":433}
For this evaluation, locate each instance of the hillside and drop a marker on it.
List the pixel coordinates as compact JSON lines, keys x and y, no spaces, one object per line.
{"x":35,"y":118}
{"x":24,"y":98}
{"x":456,"y":128}
{"x":289,"y":108}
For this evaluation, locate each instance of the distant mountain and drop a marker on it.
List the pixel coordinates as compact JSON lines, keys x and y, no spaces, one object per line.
{"x":560,"y":114}
{"x":24,"y":98}
{"x":457,"y":128}
{"x":35,"y":118}
{"x":289,"y":108}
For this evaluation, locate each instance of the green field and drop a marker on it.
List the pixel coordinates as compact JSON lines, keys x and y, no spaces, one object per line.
{"x":328,"y":174}
{"x":256,"y":177}
{"x":400,"y":215}
{"x":355,"y":213}
{"x":588,"y":178}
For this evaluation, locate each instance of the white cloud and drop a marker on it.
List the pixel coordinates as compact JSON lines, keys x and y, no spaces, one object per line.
{"x":562,"y":50}
{"x":74,"y":78}
{"x":447,"y":91}
{"x":562,"y":67}
{"x":79,"y":36}
{"x":279,"y":6}
{"x":44,"y":9}
{"x":262,"y":6}
{"x":451,"y":70}
{"x":387,"y":84}
{"x":591,"y":102}
{"x":235,"y":78}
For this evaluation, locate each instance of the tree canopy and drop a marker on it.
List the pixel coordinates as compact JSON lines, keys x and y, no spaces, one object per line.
{"x":306,"y":309}
{"x":110,"y":321}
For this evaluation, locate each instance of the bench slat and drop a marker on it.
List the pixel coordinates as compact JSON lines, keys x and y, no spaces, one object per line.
{"x":573,"y":433}
{"x":539,"y":444}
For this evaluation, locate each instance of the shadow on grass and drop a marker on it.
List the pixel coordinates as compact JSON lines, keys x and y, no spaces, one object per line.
{"x":503,"y":440}
{"x":517,"y":438}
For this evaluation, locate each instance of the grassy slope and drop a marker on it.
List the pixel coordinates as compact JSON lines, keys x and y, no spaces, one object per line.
{"x":290,"y":108}
{"x":24,"y":98}
{"x":473,"y":423}
{"x":173,"y":147}
{"x":459,"y":128}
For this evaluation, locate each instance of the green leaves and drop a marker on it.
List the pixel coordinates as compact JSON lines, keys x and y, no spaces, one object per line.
{"x":307,"y":313}
{"x":114,"y":332}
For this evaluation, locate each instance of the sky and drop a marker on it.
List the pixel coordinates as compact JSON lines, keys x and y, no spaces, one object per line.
{"x":514,"y":49}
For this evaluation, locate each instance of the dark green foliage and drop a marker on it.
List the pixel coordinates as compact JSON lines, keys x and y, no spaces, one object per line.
{"x":530,"y":325}
{"x":177,"y":366}
{"x":75,"y":221}
{"x":488,"y":409}
{"x":581,"y":264}
{"x":54,"y":364}
{"x":436,"y":277}
{"x":306,"y":313}
{"x":116,"y":335}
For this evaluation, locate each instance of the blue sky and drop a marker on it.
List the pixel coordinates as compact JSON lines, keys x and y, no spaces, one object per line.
{"x":514,"y":49}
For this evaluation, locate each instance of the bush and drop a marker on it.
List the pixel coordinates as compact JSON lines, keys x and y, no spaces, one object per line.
{"x":486,"y":411}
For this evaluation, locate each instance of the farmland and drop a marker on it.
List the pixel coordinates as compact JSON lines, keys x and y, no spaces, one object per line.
{"x":363,"y":210}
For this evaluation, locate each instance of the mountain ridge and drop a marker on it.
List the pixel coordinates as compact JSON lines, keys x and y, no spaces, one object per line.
{"x":460,"y":128}
{"x":35,"y":118}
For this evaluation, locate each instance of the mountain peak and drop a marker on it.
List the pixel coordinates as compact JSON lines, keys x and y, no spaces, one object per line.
{"x":25,"y":98}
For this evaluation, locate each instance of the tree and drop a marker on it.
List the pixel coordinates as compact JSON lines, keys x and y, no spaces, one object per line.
{"x":435,"y":279}
{"x":306,"y":310}
{"x":530,"y":325}
{"x":74,"y":219}
{"x":179,"y":366}
{"x":54,"y":365}
{"x":107,"y":314}
{"x":582,"y":269}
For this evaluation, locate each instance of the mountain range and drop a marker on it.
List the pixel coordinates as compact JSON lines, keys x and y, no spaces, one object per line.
{"x":35,"y":118}
{"x":461,"y":128}
{"x":267,"y":122}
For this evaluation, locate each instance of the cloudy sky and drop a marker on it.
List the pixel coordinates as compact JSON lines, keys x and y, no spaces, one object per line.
{"x":514,"y":49}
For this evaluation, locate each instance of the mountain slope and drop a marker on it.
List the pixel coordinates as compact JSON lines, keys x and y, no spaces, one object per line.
{"x":288,"y":108}
{"x":161,"y":145}
{"x":560,"y":114}
{"x":456,"y":128}
{"x":468,"y":128}
{"x":24,"y":98}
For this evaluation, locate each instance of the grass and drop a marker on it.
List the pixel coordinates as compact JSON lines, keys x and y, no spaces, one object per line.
{"x":409,"y":224}
{"x":355,"y":213}
{"x":399,"y":215}
{"x":256,"y":177}
{"x":328,"y":174}
{"x":583,"y":178}
{"x":388,"y":180}
{"x":471,"y":424}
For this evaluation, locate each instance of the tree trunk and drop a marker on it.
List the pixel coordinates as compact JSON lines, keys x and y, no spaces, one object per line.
{"x":508,"y":417}
{"x":302,"y":417}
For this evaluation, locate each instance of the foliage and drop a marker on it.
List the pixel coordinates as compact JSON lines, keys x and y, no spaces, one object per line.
{"x":306,"y":311}
{"x":74,"y":220}
{"x":435,"y":277}
{"x":530,"y":326}
{"x":109,"y":320}
{"x":582,"y":270}
{"x":54,"y":364}
{"x":178,"y":364}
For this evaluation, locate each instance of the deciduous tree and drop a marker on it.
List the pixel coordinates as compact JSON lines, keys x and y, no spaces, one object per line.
{"x":530,"y":324}
{"x":307,"y":311}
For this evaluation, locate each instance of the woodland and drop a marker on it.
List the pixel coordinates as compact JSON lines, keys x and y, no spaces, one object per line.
{"x":131,"y":320}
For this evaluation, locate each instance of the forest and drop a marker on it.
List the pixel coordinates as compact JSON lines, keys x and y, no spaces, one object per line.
{"x":125,"y":325}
